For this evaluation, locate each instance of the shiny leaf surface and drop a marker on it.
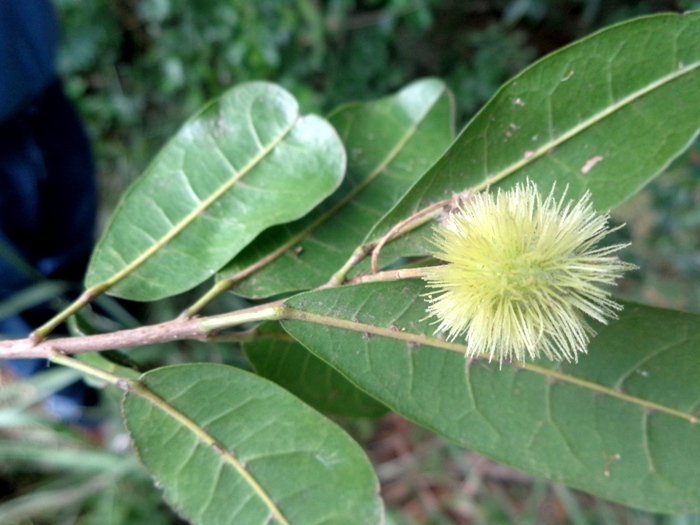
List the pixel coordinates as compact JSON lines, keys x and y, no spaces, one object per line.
{"x":606,"y":114}
{"x":278,"y":357}
{"x":390,"y":142}
{"x":272,"y":460}
{"x":622,"y":423}
{"x":247,"y":161}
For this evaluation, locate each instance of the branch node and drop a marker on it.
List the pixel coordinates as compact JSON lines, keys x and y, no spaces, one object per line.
{"x":124,"y":384}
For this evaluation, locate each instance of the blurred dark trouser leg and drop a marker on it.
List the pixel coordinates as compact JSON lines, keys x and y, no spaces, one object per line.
{"x":47,"y":208}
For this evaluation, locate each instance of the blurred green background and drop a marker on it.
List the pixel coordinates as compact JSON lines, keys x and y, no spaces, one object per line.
{"x":137,"y":69}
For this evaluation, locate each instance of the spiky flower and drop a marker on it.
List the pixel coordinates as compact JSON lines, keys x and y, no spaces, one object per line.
{"x":521,"y":271}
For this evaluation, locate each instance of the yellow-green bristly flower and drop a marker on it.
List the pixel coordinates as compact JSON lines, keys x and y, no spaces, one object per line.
{"x":521,"y":271}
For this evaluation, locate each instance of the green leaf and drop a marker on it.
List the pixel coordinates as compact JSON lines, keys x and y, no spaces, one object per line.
{"x":605,"y":114}
{"x":390,"y":142}
{"x":279,"y":358}
{"x":230,"y":447}
{"x":247,"y":161}
{"x":622,"y":423}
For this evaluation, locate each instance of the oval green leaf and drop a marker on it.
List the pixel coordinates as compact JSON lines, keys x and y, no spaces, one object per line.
{"x":390,"y":142}
{"x":247,"y":161}
{"x":276,"y":356}
{"x":606,"y":114}
{"x":232,"y":447}
{"x":622,"y":423}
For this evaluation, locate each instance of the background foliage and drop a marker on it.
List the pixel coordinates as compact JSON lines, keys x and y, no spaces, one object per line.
{"x":137,"y":69}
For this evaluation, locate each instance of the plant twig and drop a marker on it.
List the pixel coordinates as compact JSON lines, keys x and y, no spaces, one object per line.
{"x":178,"y":329}
{"x":390,"y":275}
{"x":113,"y":379}
{"x":204,"y":329}
{"x":359,"y":255}
{"x":229,"y":283}
{"x":411,"y":223}
{"x":418,"y":219}
{"x":56,"y":349}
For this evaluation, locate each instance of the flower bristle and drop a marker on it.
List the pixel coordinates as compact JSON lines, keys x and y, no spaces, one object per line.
{"x":521,"y":271}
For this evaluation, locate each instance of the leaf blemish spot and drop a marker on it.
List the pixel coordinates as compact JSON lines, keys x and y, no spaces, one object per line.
{"x":567,"y":77}
{"x":528,"y":154}
{"x":123,"y":384}
{"x":518,"y":102}
{"x":608,"y":462}
{"x":588,"y":166}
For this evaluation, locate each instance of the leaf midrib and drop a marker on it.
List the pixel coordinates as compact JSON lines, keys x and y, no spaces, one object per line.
{"x":597,"y":117}
{"x":148,"y":395}
{"x":355,"y":326}
{"x":302,"y":235}
{"x":198,"y":210}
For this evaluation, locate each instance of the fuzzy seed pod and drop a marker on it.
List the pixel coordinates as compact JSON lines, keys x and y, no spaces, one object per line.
{"x":521,"y":271}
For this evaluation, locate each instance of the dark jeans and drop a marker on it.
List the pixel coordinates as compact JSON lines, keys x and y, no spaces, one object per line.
{"x":47,"y":207}
{"x":47,"y":191}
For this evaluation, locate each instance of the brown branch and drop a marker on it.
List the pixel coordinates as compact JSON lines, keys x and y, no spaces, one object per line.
{"x":389,"y":275}
{"x":175,"y":330}
{"x":418,"y":219}
{"x":159,"y":333}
